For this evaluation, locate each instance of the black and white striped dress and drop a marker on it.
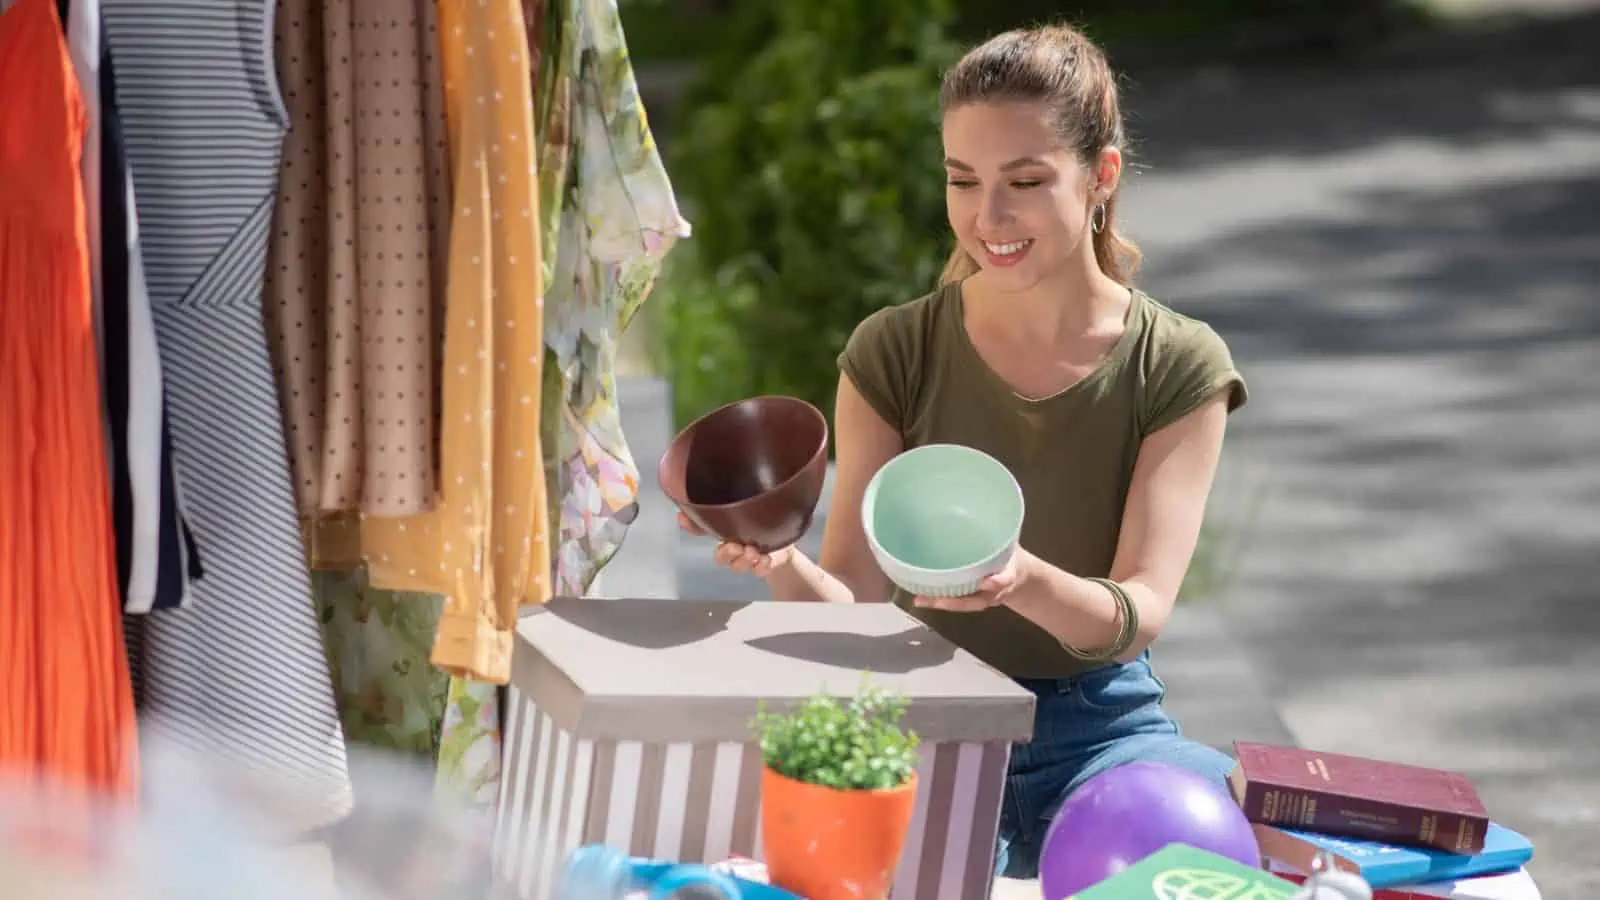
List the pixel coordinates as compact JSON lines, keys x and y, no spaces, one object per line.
{"x":156,"y":555}
{"x":240,"y":669}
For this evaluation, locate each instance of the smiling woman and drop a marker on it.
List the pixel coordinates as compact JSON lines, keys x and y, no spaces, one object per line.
{"x":1107,"y":407}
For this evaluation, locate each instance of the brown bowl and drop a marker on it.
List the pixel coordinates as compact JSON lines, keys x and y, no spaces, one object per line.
{"x":750,"y":472}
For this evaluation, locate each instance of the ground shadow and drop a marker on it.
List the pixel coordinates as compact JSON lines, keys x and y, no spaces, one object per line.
{"x":1463,"y":87}
{"x":906,"y":651}
{"x":1475,"y":268}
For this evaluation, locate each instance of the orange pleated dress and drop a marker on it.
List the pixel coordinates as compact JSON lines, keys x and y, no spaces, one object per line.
{"x":66,"y":703}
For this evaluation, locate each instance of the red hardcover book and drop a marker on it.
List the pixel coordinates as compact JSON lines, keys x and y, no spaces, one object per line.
{"x":1364,"y":798}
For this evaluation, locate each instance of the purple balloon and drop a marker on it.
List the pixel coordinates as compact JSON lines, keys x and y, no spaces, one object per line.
{"x":1124,"y":814}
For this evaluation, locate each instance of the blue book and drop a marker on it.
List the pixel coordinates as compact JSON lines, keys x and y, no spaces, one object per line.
{"x":597,"y":872}
{"x":1386,"y":865}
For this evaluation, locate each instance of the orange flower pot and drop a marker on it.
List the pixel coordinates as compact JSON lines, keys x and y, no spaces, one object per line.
{"x":826,"y":844}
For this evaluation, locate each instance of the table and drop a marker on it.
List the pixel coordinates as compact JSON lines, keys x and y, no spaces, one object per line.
{"x":629,"y":724}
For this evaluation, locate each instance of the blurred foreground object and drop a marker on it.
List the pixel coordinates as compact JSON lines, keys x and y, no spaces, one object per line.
{"x":205,"y":833}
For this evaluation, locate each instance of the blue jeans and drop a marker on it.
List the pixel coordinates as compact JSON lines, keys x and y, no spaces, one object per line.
{"x":1084,"y":725}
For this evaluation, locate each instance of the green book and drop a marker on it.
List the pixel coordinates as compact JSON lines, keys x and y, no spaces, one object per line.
{"x":1181,"y":872}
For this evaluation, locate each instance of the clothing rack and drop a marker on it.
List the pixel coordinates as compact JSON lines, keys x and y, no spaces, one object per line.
{"x":317,"y":362}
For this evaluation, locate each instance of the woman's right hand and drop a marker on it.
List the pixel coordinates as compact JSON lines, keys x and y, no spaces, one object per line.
{"x":740,"y":557}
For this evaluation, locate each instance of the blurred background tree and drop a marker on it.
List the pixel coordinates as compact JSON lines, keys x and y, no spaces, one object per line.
{"x":809,"y":167}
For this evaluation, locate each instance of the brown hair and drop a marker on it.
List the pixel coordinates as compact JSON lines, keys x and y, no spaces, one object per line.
{"x":1060,"y":67}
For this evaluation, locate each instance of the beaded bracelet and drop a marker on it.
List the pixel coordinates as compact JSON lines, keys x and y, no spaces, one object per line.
{"x":1127,"y":612}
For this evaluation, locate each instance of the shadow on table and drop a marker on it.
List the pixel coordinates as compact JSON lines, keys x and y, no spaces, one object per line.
{"x":650,"y":625}
{"x":897,"y":654}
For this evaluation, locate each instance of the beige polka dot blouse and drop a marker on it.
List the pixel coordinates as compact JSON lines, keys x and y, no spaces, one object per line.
{"x":356,"y":276}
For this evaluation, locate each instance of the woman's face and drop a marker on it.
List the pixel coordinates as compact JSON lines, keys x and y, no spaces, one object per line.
{"x":1018,"y":199}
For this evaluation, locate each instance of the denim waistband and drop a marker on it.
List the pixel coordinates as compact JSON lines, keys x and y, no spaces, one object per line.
{"x":1066,"y":684}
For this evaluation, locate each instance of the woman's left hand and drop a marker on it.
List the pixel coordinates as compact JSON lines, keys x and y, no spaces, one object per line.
{"x":993,"y":591}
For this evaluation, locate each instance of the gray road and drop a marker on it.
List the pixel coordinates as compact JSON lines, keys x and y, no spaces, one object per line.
{"x":1405,"y":259}
{"x":1406,"y":263}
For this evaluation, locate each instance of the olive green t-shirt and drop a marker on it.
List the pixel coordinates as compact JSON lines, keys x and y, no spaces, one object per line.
{"x":1073,"y":452}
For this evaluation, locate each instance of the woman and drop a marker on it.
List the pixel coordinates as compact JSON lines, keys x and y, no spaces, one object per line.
{"x":1107,"y":406}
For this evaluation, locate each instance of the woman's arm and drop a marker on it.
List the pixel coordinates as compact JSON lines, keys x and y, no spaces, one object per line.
{"x":1161,"y":520}
{"x":863,"y":442}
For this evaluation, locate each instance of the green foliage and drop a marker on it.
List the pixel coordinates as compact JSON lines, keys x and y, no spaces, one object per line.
{"x":1214,"y":29}
{"x":1117,"y":24}
{"x":808,"y":161}
{"x":851,"y":745}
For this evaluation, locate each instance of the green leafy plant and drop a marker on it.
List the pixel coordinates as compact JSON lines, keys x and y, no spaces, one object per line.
{"x":850,"y":745}
{"x":808,"y":160}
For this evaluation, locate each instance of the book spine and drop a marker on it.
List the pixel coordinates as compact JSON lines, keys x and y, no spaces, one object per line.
{"x":1317,"y":811}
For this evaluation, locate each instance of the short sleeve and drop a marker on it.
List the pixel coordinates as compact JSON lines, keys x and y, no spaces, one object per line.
{"x":880,"y":359}
{"x":1192,"y":366}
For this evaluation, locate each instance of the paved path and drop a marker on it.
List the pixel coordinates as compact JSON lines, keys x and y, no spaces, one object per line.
{"x":1407,"y":264}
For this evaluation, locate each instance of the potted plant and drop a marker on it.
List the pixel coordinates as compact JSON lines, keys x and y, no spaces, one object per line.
{"x":838,"y":787}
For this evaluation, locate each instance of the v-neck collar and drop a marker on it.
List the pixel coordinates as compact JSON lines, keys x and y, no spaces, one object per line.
{"x":1107,"y":364}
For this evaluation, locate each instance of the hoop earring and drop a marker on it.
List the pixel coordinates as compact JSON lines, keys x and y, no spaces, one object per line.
{"x":1098,"y":217}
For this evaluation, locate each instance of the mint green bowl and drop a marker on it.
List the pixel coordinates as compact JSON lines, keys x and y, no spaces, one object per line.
{"x":941,"y":518}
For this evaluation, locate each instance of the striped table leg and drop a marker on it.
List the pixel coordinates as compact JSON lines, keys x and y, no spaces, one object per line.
{"x":700,"y":802}
{"x":949,"y":853}
{"x":683,"y":801}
